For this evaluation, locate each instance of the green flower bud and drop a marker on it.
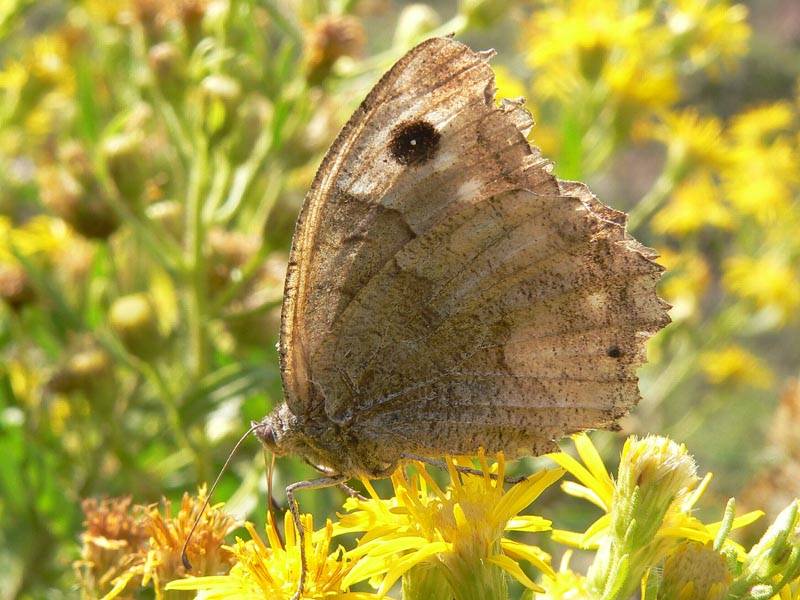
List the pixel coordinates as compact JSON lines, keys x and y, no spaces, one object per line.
{"x":653,"y":473}
{"x":775,"y":558}
{"x":168,"y":66}
{"x":220,"y":97}
{"x":16,"y":289}
{"x":414,"y":23}
{"x":91,"y":372}
{"x":483,"y":14}
{"x":133,"y":319}
{"x":72,"y":192}
{"x":332,"y":37}
{"x":125,"y":161}
{"x":170,"y":215}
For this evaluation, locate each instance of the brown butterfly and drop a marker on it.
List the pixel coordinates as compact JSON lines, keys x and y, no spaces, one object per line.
{"x":446,"y":292}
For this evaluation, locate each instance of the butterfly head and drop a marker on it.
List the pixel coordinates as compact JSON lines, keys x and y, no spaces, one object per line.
{"x":275,"y":430}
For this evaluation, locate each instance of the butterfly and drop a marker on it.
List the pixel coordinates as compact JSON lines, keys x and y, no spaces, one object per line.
{"x":445,"y":292}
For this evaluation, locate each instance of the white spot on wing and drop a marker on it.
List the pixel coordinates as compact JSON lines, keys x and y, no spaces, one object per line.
{"x":468,"y":190}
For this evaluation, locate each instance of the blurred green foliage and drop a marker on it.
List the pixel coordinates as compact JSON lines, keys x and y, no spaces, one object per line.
{"x":153,"y":157}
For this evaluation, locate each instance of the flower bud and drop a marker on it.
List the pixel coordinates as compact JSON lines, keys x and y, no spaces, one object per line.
{"x":253,"y":118}
{"x":72,"y":191}
{"x":653,"y":473}
{"x":91,"y":372}
{"x":414,"y":23}
{"x":168,"y":66}
{"x":332,"y":37}
{"x":133,"y":319}
{"x":170,"y":215}
{"x":83,"y":205}
{"x":483,"y":14}
{"x":125,"y":162}
{"x":220,"y":97}
{"x":15,"y":286}
{"x":775,"y":558}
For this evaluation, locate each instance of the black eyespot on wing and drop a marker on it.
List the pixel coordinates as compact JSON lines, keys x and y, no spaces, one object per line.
{"x":414,"y":142}
{"x":614,"y":352}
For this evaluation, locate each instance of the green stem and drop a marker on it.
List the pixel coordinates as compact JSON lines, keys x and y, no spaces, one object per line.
{"x":654,"y":198}
{"x":197,"y":312}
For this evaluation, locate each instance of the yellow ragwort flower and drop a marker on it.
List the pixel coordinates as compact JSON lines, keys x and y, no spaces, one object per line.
{"x":762,"y":179}
{"x":273,"y":570}
{"x":709,"y":32}
{"x":693,"y":141}
{"x":159,"y":559}
{"x":770,"y":281}
{"x":39,"y":236}
{"x":695,"y":204}
{"x":567,"y":585}
{"x":735,"y":365}
{"x":693,"y":571}
{"x":460,"y":529}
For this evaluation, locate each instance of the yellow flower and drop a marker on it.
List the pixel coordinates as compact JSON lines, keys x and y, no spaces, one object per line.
{"x":459,"y":530}
{"x":158,"y":559}
{"x":762,"y":180}
{"x":694,"y":571}
{"x":111,"y":538}
{"x":647,"y":511}
{"x":567,"y":585}
{"x":709,"y":32}
{"x":734,"y":364}
{"x":580,"y":36}
{"x":695,"y":203}
{"x":693,"y":141}
{"x":39,"y":236}
{"x":769,"y":281}
{"x":273,"y":571}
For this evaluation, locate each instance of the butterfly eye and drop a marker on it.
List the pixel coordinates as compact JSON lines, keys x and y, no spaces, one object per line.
{"x":265,"y":432}
{"x":414,"y":142}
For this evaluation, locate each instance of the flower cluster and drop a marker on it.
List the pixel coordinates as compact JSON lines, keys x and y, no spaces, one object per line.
{"x":459,"y":541}
{"x":125,"y":548}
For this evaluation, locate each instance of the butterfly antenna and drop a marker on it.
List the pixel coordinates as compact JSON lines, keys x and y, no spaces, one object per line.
{"x":184,"y":557}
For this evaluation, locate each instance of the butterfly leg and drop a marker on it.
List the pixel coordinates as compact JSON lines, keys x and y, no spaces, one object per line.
{"x":466,"y":470}
{"x":351,"y":492}
{"x":312,"y":484}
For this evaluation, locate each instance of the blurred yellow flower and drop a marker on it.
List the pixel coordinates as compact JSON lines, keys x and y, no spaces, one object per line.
{"x":770,"y":281}
{"x":578,"y":41}
{"x":156,"y":554}
{"x":693,"y":141}
{"x":508,"y":86}
{"x":763,"y":179}
{"x":734,"y":364}
{"x":41,"y":235}
{"x":714,"y":33}
{"x":566,"y":585}
{"x":459,"y":529}
{"x":695,"y":203}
